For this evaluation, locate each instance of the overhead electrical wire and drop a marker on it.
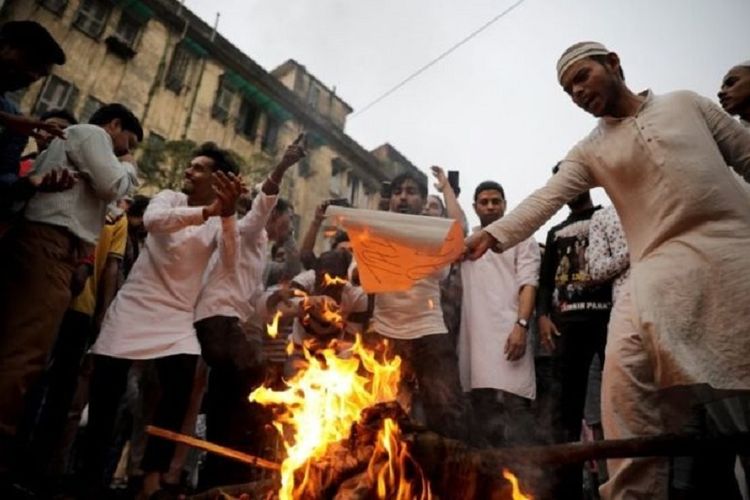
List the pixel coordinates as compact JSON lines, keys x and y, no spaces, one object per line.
{"x":435,"y":60}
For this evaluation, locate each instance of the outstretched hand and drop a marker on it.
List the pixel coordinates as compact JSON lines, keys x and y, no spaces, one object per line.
{"x":228,"y":188}
{"x":477,"y":244}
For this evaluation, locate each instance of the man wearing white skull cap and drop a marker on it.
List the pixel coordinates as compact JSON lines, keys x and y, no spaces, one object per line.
{"x":677,"y":342}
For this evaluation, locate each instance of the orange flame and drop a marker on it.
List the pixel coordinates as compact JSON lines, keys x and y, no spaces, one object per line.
{"x":320,"y":404}
{"x":516,"y":490}
{"x":328,"y":280}
{"x":390,"y":478}
{"x":272,"y":328}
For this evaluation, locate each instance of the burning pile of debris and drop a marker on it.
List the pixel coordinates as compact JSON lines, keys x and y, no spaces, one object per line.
{"x":345,"y":437}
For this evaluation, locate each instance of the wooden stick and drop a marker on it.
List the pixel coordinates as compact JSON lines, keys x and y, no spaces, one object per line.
{"x":211,"y":448}
{"x":426,"y":444}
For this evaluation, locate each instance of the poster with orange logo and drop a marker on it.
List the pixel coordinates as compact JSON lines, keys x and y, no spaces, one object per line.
{"x":394,"y":250}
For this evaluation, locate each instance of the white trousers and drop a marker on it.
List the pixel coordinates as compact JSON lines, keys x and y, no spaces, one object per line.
{"x":629,"y":409}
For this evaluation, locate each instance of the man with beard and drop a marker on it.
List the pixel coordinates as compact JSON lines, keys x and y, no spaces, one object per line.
{"x":151,"y":318}
{"x":495,"y":359}
{"x":734,"y":95}
{"x":679,"y":345}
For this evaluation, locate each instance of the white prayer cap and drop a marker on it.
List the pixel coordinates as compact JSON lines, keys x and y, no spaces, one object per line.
{"x":745,"y":64}
{"x":576,"y":52}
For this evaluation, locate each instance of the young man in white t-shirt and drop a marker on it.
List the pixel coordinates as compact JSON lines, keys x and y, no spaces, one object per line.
{"x":412,"y":321}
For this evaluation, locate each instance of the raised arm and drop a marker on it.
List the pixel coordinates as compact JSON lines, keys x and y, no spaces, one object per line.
{"x":452,"y":208}
{"x":307,"y":247}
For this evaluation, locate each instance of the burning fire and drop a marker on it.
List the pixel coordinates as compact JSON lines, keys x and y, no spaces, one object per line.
{"x":319,"y":406}
{"x":328,"y":280}
{"x":272,"y":328}
{"x":390,"y":480}
{"x":517,"y":495}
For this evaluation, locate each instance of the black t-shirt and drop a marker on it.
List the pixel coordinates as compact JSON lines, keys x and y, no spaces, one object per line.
{"x":565,"y":284}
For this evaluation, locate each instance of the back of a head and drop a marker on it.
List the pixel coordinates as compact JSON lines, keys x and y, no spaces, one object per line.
{"x":400,"y":179}
{"x":116,"y":111}
{"x":488,"y":186}
{"x":62,"y":114}
{"x":138,"y":207}
{"x":223,"y":161}
{"x":340,"y":237}
{"x":282,"y":206}
{"x":34,"y":40}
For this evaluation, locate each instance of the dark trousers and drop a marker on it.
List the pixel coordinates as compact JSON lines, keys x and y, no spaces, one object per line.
{"x":37,"y":265}
{"x":579,"y":342}
{"x":501,"y":418}
{"x":235,"y":364}
{"x":705,"y":412}
{"x":50,"y":400}
{"x":108,"y":385}
{"x":432,"y":362}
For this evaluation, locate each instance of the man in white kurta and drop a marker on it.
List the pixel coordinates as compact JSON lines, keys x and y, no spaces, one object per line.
{"x":664,"y":162}
{"x":234,"y":358}
{"x":495,"y":359}
{"x":152,"y":315}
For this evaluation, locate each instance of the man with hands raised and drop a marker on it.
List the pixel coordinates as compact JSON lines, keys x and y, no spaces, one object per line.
{"x":152,"y":315}
{"x":223,"y":305}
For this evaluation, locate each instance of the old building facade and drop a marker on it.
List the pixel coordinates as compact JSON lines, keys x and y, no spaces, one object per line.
{"x":188,"y":84}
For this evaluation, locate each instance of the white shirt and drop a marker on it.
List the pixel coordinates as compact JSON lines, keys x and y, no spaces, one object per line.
{"x":489,"y":311}
{"x":413,"y":313}
{"x":152,"y":314}
{"x":228,"y":290}
{"x":86,"y":150}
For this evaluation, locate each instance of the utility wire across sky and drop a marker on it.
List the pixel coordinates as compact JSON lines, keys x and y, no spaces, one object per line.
{"x":435,"y":60}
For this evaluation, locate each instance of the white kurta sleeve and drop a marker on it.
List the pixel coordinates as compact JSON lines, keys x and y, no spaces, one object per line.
{"x":732,"y":138}
{"x":528,"y":260}
{"x":228,"y":241}
{"x":251,"y":225}
{"x":163,"y":215}
{"x":572,"y":179}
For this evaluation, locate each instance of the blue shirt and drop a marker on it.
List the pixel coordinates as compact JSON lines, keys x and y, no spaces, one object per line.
{"x":11,"y":148}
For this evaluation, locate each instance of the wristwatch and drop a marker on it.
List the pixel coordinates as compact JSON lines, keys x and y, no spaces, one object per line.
{"x":523,"y":323}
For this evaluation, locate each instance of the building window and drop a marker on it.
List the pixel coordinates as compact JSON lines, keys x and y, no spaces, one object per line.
{"x":92,"y":16}
{"x":304,"y":169}
{"x":89,"y":108}
{"x":353,"y":190}
{"x":338,"y":173}
{"x":128,"y":30}
{"x":223,"y":102}
{"x":178,"y":68}
{"x":56,"y":6}
{"x":268,"y":143}
{"x":313,"y":96}
{"x":56,"y":94}
{"x":247,"y":120}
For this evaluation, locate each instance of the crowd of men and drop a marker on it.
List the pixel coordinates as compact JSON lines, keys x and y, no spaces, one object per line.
{"x":118,"y":311}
